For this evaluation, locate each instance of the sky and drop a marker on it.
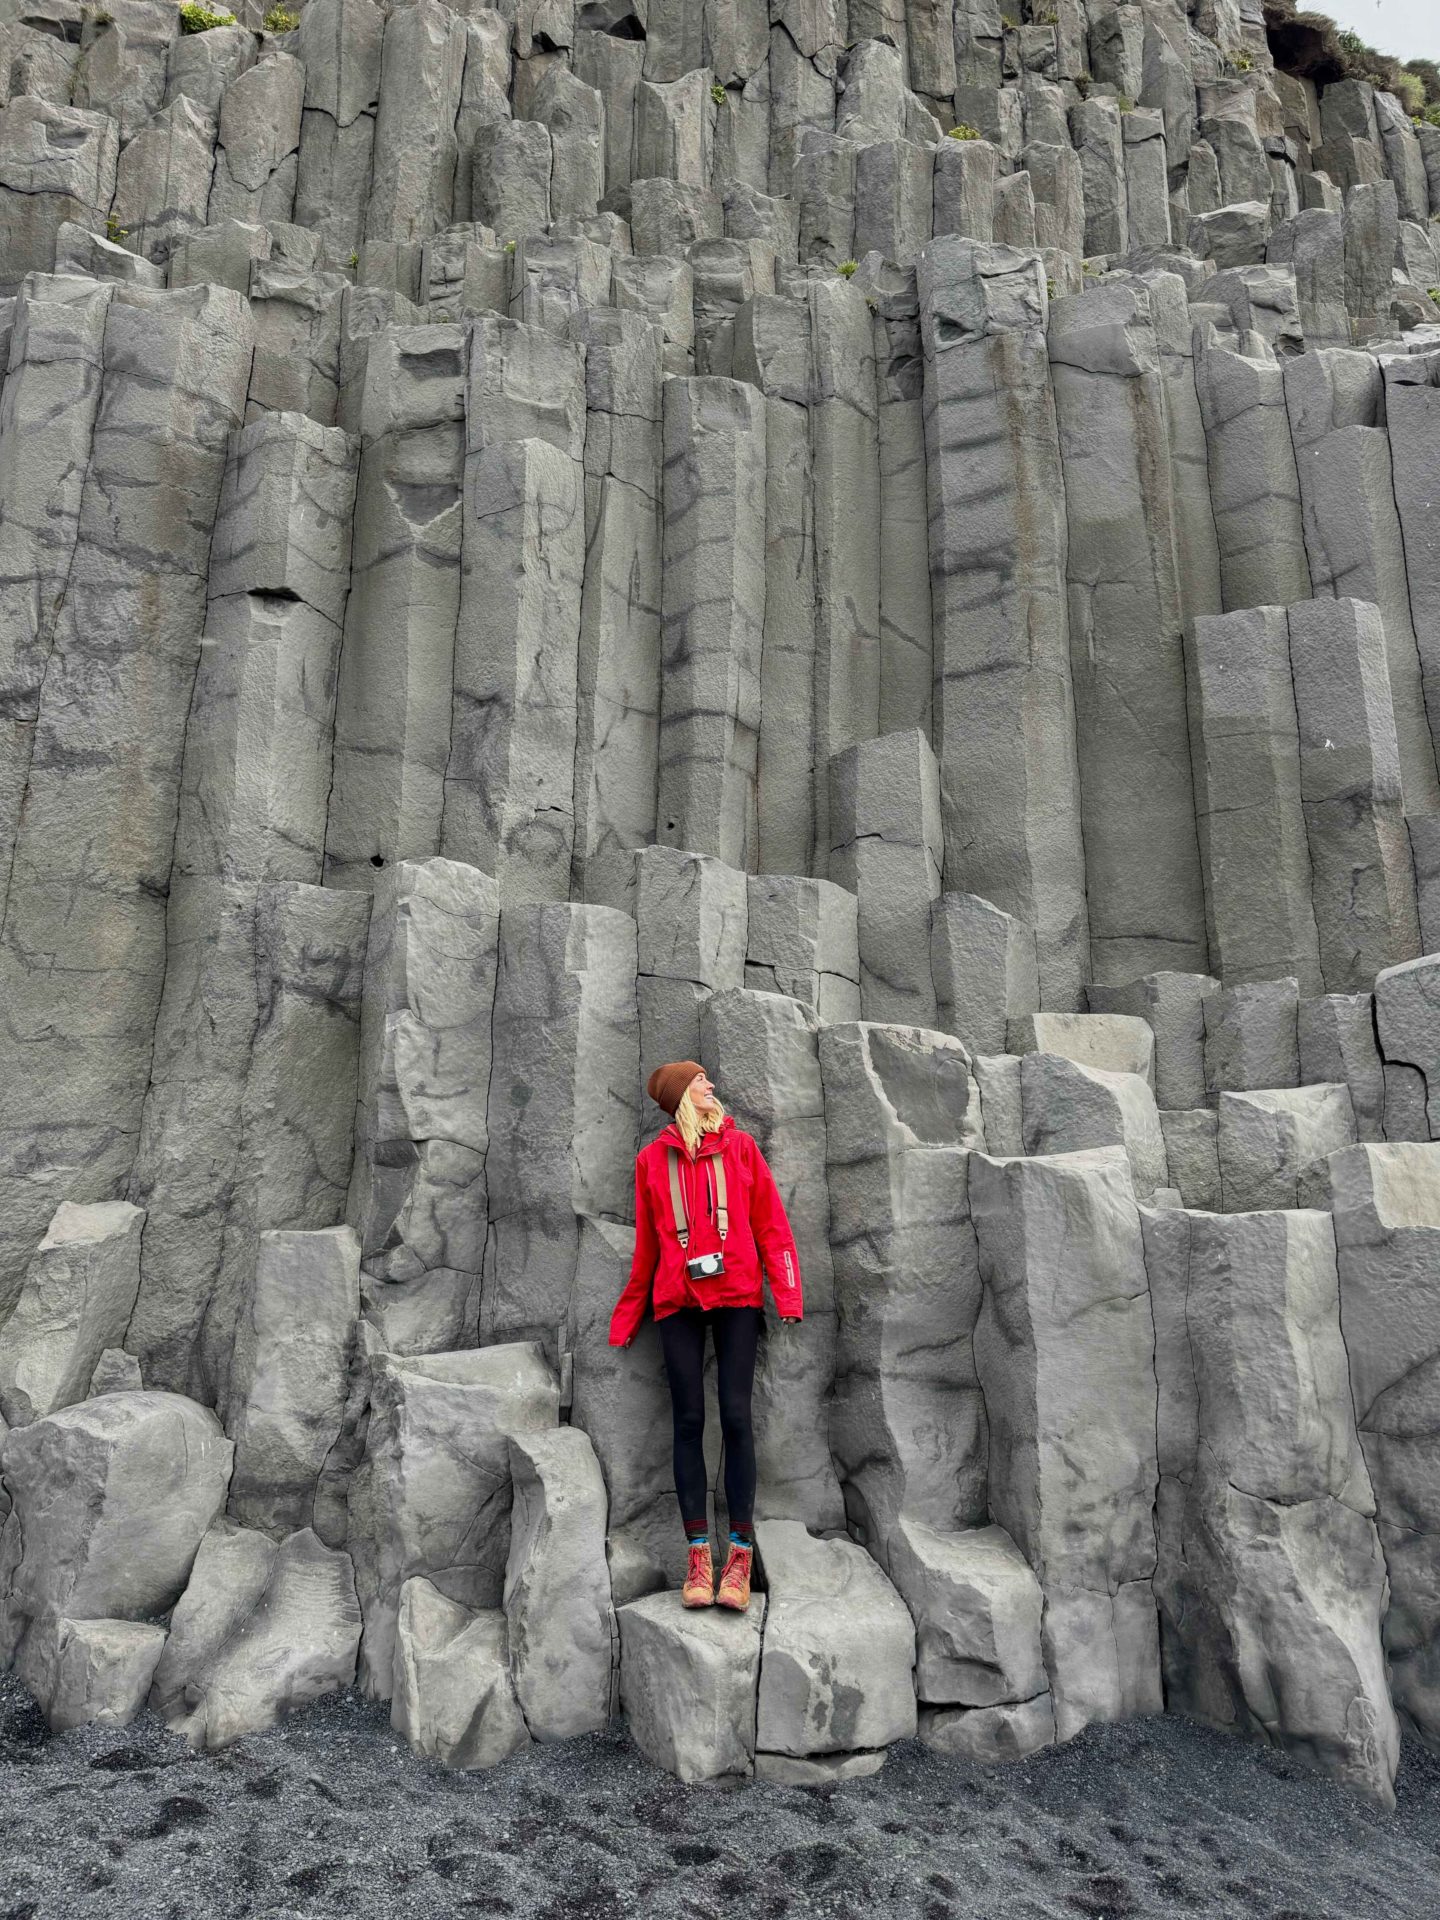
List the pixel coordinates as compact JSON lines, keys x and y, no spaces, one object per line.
{"x":1405,"y":27}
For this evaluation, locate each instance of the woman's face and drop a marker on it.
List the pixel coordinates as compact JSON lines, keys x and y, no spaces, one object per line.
{"x":702,"y":1093}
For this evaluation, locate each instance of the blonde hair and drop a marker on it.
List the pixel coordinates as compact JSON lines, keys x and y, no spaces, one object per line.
{"x":693,"y":1124}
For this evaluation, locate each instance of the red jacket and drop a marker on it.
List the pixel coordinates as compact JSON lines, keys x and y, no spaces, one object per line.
{"x":757,"y":1227}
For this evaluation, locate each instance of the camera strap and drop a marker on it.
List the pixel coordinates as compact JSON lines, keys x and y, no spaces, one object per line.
{"x":677,"y":1200}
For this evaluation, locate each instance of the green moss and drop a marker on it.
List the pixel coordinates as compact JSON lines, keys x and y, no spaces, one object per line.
{"x":847,"y":268}
{"x":197,"y":19}
{"x":963,"y":132}
{"x":717,"y":94}
{"x":280,"y":20}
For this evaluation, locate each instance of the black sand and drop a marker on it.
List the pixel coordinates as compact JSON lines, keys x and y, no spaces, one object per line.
{"x":333,"y":1815}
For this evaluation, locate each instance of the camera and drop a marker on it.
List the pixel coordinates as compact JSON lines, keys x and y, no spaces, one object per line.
{"x":705,"y":1266}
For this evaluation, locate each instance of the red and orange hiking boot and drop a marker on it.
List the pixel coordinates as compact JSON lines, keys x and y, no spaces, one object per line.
{"x":699,"y":1587}
{"x":734,"y":1589}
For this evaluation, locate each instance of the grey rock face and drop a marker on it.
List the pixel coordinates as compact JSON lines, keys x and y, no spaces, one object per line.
{"x":886,"y":548}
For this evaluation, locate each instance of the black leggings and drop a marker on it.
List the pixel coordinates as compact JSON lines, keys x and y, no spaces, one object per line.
{"x":682,"y":1339}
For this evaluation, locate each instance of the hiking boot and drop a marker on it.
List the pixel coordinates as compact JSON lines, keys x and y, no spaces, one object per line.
{"x":735,"y":1579}
{"x":699,"y":1587}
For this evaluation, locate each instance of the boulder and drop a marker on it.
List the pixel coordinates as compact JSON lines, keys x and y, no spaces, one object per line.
{"x":115,"y":1372}
{"x":451,"y":1694}
{"x":261,"y":1630}
{"x":688,"y":1680}
{"x":839,"y":1646}
{"x":990,"y":1734}
{"x":976,"y":1605}
{"x":111,"y":1500}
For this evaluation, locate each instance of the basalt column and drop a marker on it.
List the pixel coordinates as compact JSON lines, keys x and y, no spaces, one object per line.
{"x":1004,"y":713}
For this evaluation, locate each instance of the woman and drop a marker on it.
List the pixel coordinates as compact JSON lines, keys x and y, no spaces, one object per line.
{"x":702,"y":1190}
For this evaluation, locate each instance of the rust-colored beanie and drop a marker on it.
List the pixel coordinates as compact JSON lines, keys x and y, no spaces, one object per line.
{"x":666,"y":1085}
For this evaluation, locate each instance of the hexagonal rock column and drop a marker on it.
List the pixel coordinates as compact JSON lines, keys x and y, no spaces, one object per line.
{"x":76,"y":1300}
{"x":887,"y":848}
{"x":417,"y":1193}
{"x":557,"y":1588}
{"x":713,"y":601}
{"x":433,"y":1495}
{"x":691,"y":914}
{"x":979,"y":1670}
{"x":839,"y":1646}
{"x":563,"y":1107}
{"x":1005,"y":729}
{"x":688,"y":1683}
{"x":111,"y":1501}
{"x":802,"y":938}
{"x":509,"y":779}
{"x":1142,"y":859}
{"x":1271,"y":1579}
{"x":1266,"y":1141}
{"x":1066,"y":1107}
{"x":907,"y":1424}
{"x":1385,"y":1201}
{"x":1064,"y":1353}
{"x":289,"y":1380}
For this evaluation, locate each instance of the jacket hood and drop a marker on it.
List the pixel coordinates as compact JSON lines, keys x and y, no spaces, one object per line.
{"x":672,"y":1136}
